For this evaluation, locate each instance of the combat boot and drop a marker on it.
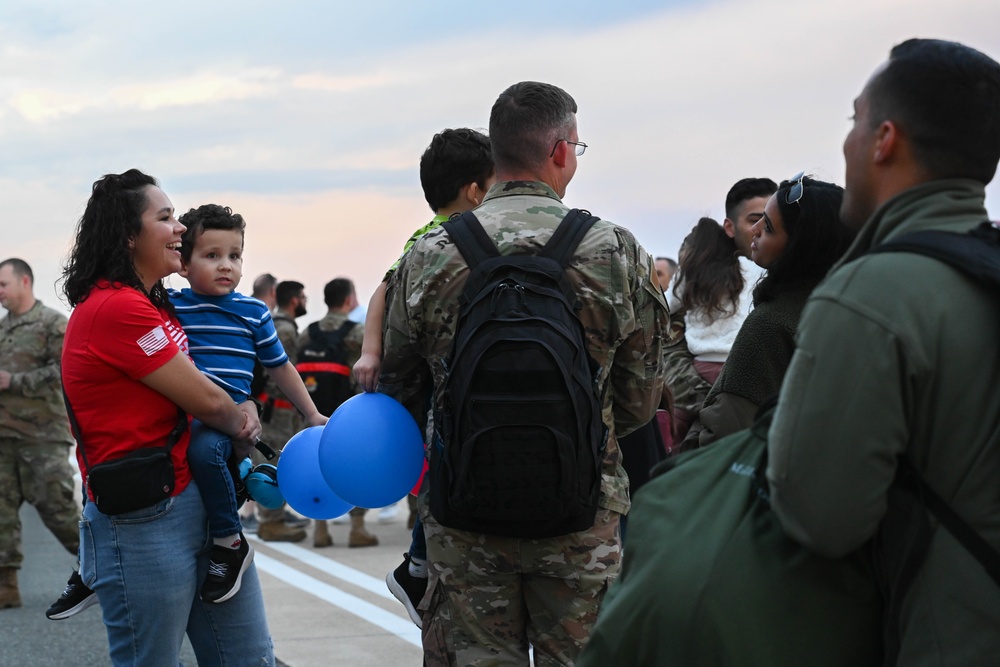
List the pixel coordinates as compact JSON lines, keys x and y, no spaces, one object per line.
{"x":9,"y":595}
{"x":321,"y":535}
{"x":360,"y":537}
{"x":278,"y":531}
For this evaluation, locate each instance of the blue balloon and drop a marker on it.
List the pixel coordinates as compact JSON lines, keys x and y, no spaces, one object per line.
{"x":371,"y":452}
{"x":300,"y":479}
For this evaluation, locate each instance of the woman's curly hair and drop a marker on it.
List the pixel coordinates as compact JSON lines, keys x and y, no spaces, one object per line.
{"x":101,"y":249}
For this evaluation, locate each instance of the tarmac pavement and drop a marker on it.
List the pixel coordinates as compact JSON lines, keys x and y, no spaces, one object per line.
{"x":325,"y":607}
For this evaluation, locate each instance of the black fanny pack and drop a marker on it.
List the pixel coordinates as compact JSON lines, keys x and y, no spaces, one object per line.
{"x":139,"y":479}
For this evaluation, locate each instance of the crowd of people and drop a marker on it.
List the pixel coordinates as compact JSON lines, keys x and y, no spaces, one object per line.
{"x":520,"y":521}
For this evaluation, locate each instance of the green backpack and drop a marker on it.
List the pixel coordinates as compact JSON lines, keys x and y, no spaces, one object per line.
{"x":709,"y":577}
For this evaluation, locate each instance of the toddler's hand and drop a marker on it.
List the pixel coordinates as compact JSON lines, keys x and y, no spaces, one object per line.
{"x":367,"y":370}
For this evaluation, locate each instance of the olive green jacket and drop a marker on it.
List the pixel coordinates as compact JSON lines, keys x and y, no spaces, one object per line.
{"x":898,"y":355}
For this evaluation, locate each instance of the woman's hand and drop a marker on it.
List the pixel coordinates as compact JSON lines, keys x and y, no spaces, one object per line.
{"x":249,"y":435}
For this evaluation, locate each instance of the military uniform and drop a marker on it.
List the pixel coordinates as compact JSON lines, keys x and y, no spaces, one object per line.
{"x":687,"y":387}
{"x":282,"y":419}
{"x":34,"y":432}
{"x":352,"y":341}
{"x":489,"y":596}
{"x":359,"y":536}
{"x":279,"y":422}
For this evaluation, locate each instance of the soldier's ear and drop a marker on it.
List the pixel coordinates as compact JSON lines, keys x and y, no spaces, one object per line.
{"x":560,"y":154}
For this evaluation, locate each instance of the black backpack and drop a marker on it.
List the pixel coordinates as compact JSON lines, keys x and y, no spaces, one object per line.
{"x":322,"y":365}
{"x":519,"y":443}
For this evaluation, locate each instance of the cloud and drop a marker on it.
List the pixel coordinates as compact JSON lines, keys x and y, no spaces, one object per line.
{"x":314,"y":117}
{"x":44,"y":105}
{"x":202,"y":89}
{"x":39,"y":106}
{"x":342,"y":84}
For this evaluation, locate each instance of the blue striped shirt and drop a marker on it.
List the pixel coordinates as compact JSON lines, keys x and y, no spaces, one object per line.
{"x":225,"y":335}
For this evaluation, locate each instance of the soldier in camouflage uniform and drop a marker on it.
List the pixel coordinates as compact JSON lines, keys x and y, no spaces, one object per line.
{"x":340,"y":298}
{"x":34,"y":431}
{"x":280,"y":420}
{"x":489,"y":596}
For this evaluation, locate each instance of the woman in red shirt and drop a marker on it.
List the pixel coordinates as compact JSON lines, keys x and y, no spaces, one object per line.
{"x":126,"y":372}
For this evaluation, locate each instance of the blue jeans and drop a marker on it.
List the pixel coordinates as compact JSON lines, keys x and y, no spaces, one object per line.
{"x":147,"y":567}
{"x":418,"y":543}
{"x":207,"y":455}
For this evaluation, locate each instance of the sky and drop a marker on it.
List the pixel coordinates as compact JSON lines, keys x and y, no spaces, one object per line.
{"x":309,"y":117}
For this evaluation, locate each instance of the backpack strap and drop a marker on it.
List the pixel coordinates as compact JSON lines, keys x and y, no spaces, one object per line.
{"x":470,"y":238}
{"x":568,"y":235}
{"x":172,"y":438}
{"x":976,"y":254}
{"x":477,"y":247}
{"x":910,"y":480}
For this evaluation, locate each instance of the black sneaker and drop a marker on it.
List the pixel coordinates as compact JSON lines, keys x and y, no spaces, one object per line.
{"x":75,"y":598}
{"x":408,"y":589}
{"x":225,"y":571}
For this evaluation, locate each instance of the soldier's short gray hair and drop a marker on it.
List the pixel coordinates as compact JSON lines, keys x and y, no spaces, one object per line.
{"x":526,"y":121}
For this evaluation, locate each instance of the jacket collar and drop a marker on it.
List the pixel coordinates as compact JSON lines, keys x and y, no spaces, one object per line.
{"x":952,"y":205}
{"x":514,"y":188}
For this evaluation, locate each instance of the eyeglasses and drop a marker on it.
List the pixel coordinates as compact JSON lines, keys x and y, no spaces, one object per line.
{"x":581,"y":147}
{"x":796,"y":191}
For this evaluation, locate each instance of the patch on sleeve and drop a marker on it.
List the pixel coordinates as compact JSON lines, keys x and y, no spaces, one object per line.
{"x":154,"y":341}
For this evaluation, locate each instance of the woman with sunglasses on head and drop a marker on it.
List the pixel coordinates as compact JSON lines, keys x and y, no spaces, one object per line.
{"x":130,"y":386}
{"x":797,"y":241}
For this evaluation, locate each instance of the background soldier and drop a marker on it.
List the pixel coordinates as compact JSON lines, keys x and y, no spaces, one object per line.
{"x":34,"y":431}
{"x":280,"y":420}
{"x":341,"y":298}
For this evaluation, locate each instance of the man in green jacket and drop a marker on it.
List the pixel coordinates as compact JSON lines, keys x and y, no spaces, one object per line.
{"x":897,"y":356}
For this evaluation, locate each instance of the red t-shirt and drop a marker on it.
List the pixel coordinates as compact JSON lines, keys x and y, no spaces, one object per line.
{"x":114,"y":338}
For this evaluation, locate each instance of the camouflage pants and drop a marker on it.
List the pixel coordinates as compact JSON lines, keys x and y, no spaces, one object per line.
{"x":488,"y":597}
{"x":40,"y":473}
{"x":279,"y":430}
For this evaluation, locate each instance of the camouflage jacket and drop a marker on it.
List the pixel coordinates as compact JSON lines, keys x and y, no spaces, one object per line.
{"x":288,"y":334}
{"x":624,"y":313}
{"x":31,"y":351}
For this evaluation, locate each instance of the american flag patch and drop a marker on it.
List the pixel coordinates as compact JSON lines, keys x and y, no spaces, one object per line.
{"x":154,"y":341}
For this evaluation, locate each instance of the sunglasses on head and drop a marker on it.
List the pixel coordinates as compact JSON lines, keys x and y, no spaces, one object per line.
{"x":795,"y":192}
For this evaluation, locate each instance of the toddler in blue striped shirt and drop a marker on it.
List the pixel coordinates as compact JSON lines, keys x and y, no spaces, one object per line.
{"x":227,"y":332}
